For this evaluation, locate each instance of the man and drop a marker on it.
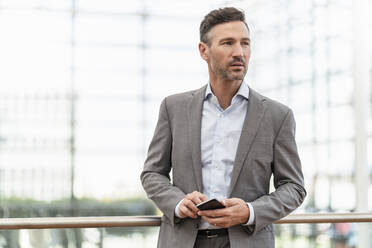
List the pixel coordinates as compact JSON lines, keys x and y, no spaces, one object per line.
{"x":223,"y":141}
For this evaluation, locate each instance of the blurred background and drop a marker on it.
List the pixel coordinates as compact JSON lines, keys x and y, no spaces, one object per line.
{"x":81,"y":83}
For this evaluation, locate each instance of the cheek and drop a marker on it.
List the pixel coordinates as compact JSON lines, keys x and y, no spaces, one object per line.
{"x":222,"y":61}
{"x":248,"y":54}
{"x":214,"y":60}
{"x":218,"y":55}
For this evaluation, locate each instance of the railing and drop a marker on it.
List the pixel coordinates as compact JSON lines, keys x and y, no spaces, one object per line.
{"x":137,"y":221}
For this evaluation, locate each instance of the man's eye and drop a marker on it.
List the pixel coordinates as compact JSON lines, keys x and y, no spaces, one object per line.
{"x":227,"y":43}
{"x":246,"y":43}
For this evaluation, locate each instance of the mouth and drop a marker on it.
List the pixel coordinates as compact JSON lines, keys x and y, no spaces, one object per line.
{"x":237,"y":65}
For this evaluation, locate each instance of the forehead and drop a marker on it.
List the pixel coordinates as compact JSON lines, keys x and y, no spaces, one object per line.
{"x":235,"y":29}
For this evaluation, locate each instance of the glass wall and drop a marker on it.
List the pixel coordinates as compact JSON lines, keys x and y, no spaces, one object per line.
{"x":81,"y":83}
{"x":303,"y":57}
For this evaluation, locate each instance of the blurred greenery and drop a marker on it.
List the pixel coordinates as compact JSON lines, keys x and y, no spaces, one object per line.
{"x":14,"y":207}
{"x":25,"y":207}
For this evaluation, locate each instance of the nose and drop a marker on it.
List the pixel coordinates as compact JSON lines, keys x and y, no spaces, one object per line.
{"x":238,"y":51}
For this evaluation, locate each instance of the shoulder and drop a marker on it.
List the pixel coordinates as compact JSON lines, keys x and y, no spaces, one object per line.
{"x":179,"y":97}
{"x":183,"y":98}
{"x":276,"y":113}
{"x":273,"y":107}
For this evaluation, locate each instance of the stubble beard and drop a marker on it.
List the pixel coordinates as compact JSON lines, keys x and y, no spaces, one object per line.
{"x":223,"y":71}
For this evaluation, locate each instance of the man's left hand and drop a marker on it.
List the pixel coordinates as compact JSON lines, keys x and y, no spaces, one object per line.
{"x":236,"y":212}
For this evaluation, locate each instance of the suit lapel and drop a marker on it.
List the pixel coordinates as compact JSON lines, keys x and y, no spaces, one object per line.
{"x":194,"y":118}
{"x":255,"y":111}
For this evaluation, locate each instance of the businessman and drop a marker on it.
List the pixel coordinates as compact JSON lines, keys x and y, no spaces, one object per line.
{"x":223,"y":141}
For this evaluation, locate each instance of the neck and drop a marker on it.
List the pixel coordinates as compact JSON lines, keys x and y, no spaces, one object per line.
{"x":225,"y":90}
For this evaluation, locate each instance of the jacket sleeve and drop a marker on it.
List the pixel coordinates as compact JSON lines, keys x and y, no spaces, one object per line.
{"x":155,"y":176}
{"x":288,"y":179}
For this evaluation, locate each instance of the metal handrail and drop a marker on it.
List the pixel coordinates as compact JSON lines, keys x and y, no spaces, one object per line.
{"x":140,"y":221}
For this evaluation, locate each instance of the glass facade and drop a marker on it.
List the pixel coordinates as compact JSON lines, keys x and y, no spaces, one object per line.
{"x":81,"y":84}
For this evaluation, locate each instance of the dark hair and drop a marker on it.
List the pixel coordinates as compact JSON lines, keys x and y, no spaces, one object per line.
{"x":219,"y":16}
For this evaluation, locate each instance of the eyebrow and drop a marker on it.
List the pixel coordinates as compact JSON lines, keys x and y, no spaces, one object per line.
{"x":230,"y":38}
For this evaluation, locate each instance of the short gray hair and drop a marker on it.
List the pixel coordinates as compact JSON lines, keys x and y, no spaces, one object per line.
{"x":219,"y":16}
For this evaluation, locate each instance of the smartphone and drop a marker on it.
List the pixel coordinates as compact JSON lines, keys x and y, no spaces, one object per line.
{"x":210,"y":205}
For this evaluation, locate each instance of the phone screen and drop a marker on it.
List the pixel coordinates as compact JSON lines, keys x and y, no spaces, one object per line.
{"x":210,"y":204}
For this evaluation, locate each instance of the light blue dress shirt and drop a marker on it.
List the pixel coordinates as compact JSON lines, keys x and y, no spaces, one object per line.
{"x":220,"y":134}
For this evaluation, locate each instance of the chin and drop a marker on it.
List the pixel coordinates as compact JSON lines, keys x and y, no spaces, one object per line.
{"x":237,"y":77}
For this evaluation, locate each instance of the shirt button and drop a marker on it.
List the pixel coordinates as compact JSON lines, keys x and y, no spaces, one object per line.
{"x":221,"y":115}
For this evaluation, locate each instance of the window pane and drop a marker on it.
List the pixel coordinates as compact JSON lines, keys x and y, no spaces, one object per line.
{"x":108,"y":29}
{"x":170,"y":32}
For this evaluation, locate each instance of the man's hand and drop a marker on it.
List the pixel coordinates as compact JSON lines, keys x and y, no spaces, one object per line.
{"x":188,"y":205}
{"x":236,"y":212}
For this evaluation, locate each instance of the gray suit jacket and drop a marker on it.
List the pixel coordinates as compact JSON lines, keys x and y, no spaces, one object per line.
{"x":266,"y":147}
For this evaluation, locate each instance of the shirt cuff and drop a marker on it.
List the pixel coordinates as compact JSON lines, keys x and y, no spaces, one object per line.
{"x":177,"y":209}
{"x":251,"y":219}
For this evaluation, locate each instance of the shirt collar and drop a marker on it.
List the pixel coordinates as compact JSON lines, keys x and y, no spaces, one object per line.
{"x":243,"y":91}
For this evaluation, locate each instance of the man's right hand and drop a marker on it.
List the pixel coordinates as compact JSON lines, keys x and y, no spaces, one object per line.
{"x":188,"y":205}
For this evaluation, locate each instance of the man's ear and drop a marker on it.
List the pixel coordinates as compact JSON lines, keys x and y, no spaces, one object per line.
{"x":204,"y":51}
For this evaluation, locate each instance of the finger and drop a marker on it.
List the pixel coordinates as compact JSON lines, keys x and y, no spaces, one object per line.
{"x":193,"y":197}
{"x":214,"y":213}
{"x":222,"y":222}
{"x":187,"y":212}
{"x":190,"y":205}
{"x":230,"y":202}
{"x":203,"y":197}
{"x":197,"y":197}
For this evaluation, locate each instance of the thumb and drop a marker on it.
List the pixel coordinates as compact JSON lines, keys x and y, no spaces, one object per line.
{"x":228,"y":202}
{"x":203,"y":198}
